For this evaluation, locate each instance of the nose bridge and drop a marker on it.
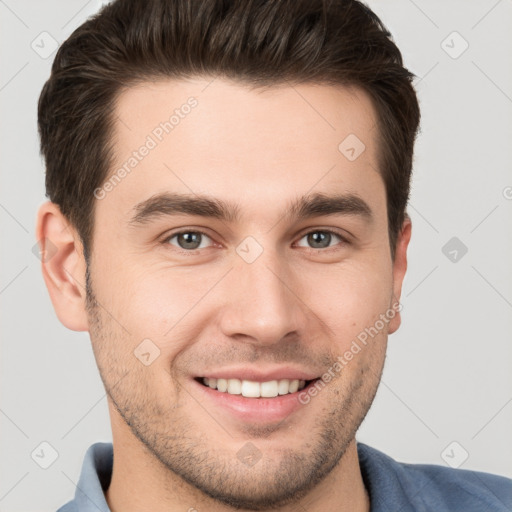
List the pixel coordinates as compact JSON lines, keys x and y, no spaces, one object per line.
{"x":260,"y":303}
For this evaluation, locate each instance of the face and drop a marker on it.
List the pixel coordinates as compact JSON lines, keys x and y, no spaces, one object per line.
{"x":247,"y":247}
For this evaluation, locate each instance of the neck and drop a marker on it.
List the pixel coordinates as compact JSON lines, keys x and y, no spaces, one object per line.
{"x":141,"y":482}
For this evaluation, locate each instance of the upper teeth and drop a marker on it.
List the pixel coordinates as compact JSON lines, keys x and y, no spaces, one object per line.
{"x":251,"y":389}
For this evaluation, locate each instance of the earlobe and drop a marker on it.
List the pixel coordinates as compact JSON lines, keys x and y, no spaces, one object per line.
{"x":399,"y":269}
{"x":63,"y":266}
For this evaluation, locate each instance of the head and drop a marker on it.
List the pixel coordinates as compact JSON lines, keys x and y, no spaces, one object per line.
{"x":262,"y":229}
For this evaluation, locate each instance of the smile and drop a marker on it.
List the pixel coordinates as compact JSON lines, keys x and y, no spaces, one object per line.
{"x":253,"y":389}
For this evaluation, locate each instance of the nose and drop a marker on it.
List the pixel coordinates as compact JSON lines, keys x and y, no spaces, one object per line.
{"x":261,"y":305}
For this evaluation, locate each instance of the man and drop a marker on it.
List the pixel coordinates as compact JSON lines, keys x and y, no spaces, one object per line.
{"x":228,"y":186}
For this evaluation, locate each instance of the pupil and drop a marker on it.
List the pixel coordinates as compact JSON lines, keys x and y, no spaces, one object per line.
{"x":189,"y":240}
{"x":319,"y":239}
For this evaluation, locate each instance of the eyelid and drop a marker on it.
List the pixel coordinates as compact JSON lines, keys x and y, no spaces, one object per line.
{"x":344,"y":239}
{"x":166,"y":239}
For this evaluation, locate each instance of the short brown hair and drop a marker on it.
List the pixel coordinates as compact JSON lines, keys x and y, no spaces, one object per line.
{"x":258,"y":43}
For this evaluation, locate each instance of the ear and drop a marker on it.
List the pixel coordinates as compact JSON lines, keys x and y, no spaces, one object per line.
{"x":63,"y":266}
{"x":399,"y":269}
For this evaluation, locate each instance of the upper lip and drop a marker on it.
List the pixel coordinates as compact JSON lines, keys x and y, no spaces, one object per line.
{"x":259,"y":374}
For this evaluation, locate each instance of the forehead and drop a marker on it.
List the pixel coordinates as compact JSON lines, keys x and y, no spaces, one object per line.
{"x":264,"y":146}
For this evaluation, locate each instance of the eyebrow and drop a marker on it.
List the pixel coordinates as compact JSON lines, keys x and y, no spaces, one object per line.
{"x":312,"y":205}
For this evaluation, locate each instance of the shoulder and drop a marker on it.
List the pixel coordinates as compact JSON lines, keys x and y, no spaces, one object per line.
{"x":68,"y":507}
{"x":418,"y":487}
{"x":94,"y":479}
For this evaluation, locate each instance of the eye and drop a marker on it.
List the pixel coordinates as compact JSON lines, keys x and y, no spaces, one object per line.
{"x":188,"y":240}
{"x":321,"y":239}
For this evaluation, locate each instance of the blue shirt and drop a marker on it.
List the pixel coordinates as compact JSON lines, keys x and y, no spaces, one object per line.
{"x":393,"y":486}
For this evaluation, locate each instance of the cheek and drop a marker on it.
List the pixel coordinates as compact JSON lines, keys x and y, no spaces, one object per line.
{"x":161,"y":303}
{"x":349,"y":299}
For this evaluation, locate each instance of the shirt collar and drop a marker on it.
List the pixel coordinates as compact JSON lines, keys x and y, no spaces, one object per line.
{"x":98,"y":462}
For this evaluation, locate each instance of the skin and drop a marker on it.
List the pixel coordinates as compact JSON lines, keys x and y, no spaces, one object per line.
{"x":295,"y":304}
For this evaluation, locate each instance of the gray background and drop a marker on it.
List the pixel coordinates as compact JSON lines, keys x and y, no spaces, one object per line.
{"x":447,"y":377}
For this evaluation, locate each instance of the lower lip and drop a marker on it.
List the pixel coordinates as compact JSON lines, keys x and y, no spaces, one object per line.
{"x":255,"y":410}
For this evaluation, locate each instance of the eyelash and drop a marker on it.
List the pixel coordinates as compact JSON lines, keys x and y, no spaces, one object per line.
{"x":343,"y":240}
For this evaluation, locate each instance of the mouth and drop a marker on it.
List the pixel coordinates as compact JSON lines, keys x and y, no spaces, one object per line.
{"x":254,"y":389}
{"x":263,"y":397}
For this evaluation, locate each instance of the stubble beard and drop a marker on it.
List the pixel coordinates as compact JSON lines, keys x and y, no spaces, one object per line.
{"x":182,"y":450}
